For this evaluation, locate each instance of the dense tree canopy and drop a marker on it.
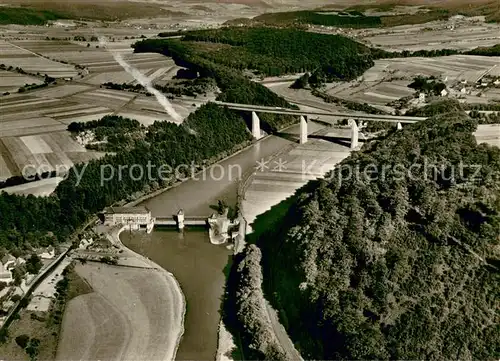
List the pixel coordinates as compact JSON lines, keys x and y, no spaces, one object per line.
{"x":400,"y":261}
{"x":436,"y":108}
{"x":351,"y":19}
{"x":428,"y":85}
{"x":486,"y":51}
{"x":271,"y":51}
{"x":283,"y":51}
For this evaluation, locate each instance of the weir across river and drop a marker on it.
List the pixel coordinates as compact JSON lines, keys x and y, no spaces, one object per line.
{"x":188,"y":221}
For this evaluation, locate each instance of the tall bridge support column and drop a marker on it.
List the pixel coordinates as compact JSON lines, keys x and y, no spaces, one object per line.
{"x":354,"y":133}
{"x":399,"y":126}
{"x":256,"y":126}
{"x":303,"y":130}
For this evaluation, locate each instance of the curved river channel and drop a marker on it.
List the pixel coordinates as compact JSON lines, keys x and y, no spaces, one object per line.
{"x":189,"y":256}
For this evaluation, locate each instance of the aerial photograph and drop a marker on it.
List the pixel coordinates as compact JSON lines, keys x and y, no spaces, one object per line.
{"x":230,"y":180}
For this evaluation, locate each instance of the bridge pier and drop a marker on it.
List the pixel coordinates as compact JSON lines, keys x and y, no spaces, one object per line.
{"x":399,"y":126}
{"x":256,"y":126}
{"x":354,"y":133}
{"x":180,"y":220}
{"x":303,"y":130}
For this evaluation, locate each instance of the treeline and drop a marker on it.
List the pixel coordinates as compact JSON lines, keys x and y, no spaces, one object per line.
{"x":395,"y":263}
{"x":420,"y":17}
{"x":137,"y":88}
{"x":115,"y":122}
{"x":27,"y":16}
{"x":349,"y":104}
{"x":363,"y":107}
{"x":485,"y":51}
{"x":167,"y":34}
{"x":190,"y":87}
{"x":352,"y":19}
{"x":481,"y":106}
{"x":111,"y":133}
{"x":436,"y":108}
{"x":275,"y":52}
{"x":482,"y":118}
{"x":47,"y":80}
{"x":382,"y":54}
{"x":245,"y":308}
{"x":206,"y":135}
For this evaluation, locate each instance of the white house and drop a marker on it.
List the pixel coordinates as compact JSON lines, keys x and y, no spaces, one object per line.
{"x":444,"y":92}
{"x":5,"y":274}
{"x":48,"y":253}
{"x":8,"y":261}
{"x":84,"y":243}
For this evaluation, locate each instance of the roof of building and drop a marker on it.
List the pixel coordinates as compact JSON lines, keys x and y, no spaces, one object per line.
{"x":5,"y":275}
{"x":7,"y":258}
{"x":126,"y":210}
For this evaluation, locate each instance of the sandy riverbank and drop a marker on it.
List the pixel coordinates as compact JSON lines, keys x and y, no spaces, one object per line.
{"x":136,"y":311}
{"x":180,"y":305}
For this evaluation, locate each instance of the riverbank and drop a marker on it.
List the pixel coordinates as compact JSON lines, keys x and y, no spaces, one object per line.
{"x":245,"y":147}
{"x":199,"y":267}
{"x":175,"y":290}
{"x":136,"y":310}
{"x":181,"y":181}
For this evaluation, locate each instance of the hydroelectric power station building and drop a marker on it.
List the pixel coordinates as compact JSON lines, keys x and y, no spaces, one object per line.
{"x":134,"y":217}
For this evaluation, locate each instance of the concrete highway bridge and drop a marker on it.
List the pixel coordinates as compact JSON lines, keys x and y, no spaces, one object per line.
{"x":304,"y":115}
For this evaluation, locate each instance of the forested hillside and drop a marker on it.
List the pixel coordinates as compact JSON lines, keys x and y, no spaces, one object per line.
{"x":225,"y":54}
{"x":356,"y":16}
{"x":351,"y":19}
{"x":26,"y":16}
{"x":399,"y":262}
{"x":274,"y":52}
{"x":28,"y":221}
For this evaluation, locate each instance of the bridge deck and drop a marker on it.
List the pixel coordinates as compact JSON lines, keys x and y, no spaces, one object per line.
{"x":188,"y":221}
{"x":278,"y":110}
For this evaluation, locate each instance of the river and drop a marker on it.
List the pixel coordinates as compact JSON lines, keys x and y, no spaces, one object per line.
{"x":194,"y":261}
